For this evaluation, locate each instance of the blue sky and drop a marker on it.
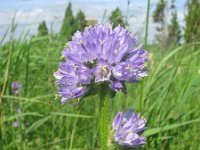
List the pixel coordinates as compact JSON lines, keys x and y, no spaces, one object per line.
{"x":29,"y":13}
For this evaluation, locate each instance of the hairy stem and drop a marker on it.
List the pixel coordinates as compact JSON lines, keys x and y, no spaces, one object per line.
{"x":104,"y":116}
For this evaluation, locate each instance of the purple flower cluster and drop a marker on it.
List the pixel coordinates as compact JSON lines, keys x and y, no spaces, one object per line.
{"x":16,"y":87}
{"x":127,"y":129}
{"x":99,"y":54}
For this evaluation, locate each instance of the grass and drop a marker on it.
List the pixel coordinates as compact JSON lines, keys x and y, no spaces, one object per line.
{"x":169,"y":99}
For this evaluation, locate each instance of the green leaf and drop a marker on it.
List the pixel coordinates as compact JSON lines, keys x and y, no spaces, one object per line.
{"x":21,"y":115}
{"x":37,"y":124}
{"x":157,"y":130}
{"x":71,"y":115}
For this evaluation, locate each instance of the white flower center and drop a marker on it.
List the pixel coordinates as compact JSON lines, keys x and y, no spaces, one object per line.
{"x":104,"y":71}
{"x":129,"y":68}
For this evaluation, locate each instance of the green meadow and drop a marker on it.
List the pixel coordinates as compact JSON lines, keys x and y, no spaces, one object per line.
{"x":168,"y":98}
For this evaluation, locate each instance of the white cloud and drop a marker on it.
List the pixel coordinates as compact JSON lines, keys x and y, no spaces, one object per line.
{"x":6,"y":17}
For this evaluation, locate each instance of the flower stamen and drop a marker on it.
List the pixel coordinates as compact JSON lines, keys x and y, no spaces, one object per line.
{"x":129,"y":68}
{"x":101,"y":41}
{"x":104,"y":71}
{"x":75,"y":67}
{"x":80,"y":42}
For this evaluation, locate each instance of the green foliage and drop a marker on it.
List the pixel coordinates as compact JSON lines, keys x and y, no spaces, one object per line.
{"x":159,"y":17}
{"x":80,"y":21}
{"x":192,"y":20}
{"x":159,"y":13}
{"x":42,"y":29}
{"x":174,"y":32}
{"x":68,"y":25}
{"x":116,"y":18}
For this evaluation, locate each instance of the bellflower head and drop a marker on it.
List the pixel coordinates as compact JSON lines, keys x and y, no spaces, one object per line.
{"x":128,"y":128}
{"x":99,"y":54}
{"x":16,"y":88}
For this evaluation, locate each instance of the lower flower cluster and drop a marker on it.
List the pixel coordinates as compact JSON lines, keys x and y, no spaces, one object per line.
{"x":128,"y":128}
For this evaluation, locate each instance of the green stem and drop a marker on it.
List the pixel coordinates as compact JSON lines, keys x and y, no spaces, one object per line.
{"x":104,"y":116}
{"x":147,"y":23}
{"x":141,"y":103}
{"x":27,"y":70}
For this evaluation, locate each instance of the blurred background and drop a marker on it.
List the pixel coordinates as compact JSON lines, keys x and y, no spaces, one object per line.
{"x":29,"y":14}
{"x":32,"y":35}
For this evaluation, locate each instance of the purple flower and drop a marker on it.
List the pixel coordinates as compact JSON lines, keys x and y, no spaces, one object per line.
{"x":102,"y":71}
{"x":16,"y":124}
{"x":99,"y":54}
{"x":127,"y":129}
{"x":116,"y":86}
{"x":19,"y":110}
{"x":71,"y":92}
{"x":16,"y":87}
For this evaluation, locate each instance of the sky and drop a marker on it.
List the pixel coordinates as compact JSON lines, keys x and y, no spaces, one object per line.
{"x":29,"y":13}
